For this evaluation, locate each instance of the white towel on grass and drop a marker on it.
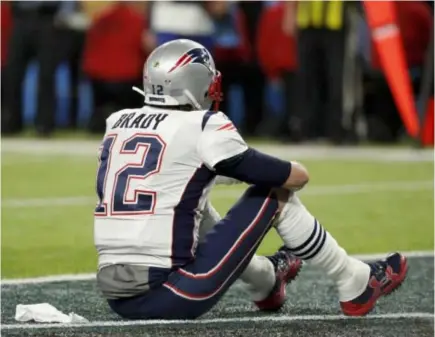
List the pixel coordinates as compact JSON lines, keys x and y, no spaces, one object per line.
{"x":44,"y":312}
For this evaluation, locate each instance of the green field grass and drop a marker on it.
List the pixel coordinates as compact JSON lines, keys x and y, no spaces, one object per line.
{"x":47,"y":239}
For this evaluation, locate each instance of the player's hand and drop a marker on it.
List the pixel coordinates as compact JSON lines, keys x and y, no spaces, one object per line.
{"x":298,"y":177}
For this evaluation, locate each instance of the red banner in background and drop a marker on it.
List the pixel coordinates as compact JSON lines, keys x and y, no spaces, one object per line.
{"x":427,"y":132}
{"x":381,"y":18}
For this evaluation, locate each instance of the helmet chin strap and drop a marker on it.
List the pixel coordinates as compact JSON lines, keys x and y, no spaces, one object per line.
{"x":139,"y":91}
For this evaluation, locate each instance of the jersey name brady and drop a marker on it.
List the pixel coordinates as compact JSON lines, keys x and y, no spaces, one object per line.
{"x":139,"y":121}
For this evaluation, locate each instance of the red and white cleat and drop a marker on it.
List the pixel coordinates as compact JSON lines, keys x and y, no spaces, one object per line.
{"x":287,"y":268}
{"x":385,"y":277}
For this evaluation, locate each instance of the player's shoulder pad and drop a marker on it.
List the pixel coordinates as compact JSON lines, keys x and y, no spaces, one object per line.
{"x":216,"y":121}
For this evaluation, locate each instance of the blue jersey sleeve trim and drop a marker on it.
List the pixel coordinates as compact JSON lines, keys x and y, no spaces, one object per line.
{"x":205,"y":119}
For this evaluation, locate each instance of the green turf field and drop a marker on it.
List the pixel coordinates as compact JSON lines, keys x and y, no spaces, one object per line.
{"x":371,"y":199}
{"x":48,"y":200}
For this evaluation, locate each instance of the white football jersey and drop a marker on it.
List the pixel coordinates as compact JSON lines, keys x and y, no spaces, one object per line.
{"x":155,"y":172}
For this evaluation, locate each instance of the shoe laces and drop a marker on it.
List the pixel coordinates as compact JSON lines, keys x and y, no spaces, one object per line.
{"x":279,"y":261}
{"x":378,"y":269}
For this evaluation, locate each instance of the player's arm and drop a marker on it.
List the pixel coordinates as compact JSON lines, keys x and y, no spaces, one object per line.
{"x":255,"y":167}
{"x":222,"y":149}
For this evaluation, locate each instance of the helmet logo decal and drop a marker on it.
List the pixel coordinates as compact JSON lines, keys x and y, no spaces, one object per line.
{"x":196,"y":55}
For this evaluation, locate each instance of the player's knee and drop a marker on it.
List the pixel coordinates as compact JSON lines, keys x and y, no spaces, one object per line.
{"x":282,"y":195}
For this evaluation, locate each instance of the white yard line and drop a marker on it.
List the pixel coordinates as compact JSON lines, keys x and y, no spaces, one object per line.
{"x":409,"y":254}
{"x":314,"y":152}
{"x":91,"y":276}
{"x":381,"y":186}
{"x":50,"y":201}
{"x":282,"y":319}
{"x":49,"y":279}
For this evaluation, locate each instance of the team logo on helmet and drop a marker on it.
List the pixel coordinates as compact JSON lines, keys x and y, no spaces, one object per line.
{"x":197,"y":55}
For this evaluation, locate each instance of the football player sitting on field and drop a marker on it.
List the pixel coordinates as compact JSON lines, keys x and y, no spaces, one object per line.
{"x":164,"y":252}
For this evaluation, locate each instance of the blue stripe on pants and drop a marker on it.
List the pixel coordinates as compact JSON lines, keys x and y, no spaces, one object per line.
{"x":221,"y":258}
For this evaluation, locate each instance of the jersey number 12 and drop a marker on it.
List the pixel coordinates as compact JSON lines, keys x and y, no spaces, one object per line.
{"x":116,"y":202}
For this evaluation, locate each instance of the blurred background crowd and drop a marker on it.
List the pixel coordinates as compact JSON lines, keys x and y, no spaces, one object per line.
{"x":293,"y":71}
